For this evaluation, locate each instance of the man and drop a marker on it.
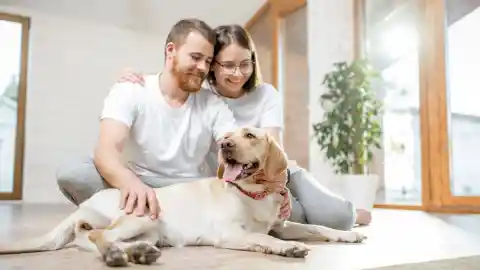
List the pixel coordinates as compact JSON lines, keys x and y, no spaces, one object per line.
{"x":167,"y":127}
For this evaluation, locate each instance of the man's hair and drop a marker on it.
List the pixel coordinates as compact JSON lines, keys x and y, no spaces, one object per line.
{"x":179,"y":32}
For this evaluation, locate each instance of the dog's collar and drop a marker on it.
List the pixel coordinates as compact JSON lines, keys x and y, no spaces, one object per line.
{"x":258,"y":195}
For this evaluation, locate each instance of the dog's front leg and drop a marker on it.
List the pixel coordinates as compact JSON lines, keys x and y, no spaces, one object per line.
{"x":263,"y":243}
{"x":310,"y":232}
{"x":129,"y":239}
{"x":140,"y":251}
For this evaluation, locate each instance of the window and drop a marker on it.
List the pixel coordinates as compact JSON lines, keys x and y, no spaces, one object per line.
{"x":392,"y":47}
{"x":13,"y":52}
{"x":427,"y":52}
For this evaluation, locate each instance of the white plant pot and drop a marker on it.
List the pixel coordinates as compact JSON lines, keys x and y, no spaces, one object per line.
{"x":360,"y":189}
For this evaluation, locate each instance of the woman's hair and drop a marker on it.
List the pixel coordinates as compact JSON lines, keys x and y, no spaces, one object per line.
{"x":236,"y":34}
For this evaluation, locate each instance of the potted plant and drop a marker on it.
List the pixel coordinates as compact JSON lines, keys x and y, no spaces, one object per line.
{"x":350,"y":129}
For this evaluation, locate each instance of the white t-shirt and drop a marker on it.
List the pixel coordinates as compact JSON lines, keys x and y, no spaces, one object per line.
{"x":261,"y":108}
{"x":166,"y":141}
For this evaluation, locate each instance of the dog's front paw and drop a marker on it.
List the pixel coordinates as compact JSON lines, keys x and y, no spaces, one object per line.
{"x":351,"y":237}
{"x":115,"y":257}
{"x":144,"y":253}
{"x":293,"y":249}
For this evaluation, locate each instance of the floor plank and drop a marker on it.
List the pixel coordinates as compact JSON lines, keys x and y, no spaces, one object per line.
{"x":395,"y":237}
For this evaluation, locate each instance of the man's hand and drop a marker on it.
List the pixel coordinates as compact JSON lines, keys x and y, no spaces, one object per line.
{"x":138,"y":198}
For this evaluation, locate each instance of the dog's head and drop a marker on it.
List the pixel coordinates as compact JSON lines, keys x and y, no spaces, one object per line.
{"x":247,"y":150}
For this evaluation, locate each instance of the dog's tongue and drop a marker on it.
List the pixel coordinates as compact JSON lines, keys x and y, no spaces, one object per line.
{"x":231,"y":172}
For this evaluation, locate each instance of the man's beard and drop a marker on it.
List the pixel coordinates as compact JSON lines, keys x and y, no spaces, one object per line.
{"x":188,"y":80}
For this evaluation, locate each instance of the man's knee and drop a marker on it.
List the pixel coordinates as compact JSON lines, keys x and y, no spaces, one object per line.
{"x":66,"y":176}
{"x":78,"y":180}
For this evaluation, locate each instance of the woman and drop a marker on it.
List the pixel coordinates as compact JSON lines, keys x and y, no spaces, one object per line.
{"x":235,"y":76}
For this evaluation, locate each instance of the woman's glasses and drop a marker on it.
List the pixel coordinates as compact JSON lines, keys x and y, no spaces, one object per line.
{"x":245,"y":67}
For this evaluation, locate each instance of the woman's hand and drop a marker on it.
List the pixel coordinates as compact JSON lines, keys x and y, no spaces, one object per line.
{"x":273,"y":185}
{"x":129,"y":75}
{"x":277,"y":185}
{"x":286,"y":208}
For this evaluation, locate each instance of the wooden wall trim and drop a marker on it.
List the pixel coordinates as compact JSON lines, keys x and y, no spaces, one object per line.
{"x":429,"y":198}
{"x":264,"y":8}
{"x":15,"y":18}
{"x":287,"y":7}
{"x":276,"y":29}
{"x":275,"y":10}
{"x":358,"y":28}
{"x":16,"y":194}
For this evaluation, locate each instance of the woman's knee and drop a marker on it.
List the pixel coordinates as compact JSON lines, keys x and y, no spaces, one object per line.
{"x":342,"y":218}
{"x":297,"y":214}
{"x":321,"y":205}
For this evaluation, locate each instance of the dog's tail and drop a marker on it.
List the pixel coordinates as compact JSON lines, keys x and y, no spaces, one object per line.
{"x":59,"y":237}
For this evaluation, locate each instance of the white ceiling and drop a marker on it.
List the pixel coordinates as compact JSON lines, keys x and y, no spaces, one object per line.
{"x":154,"y":16}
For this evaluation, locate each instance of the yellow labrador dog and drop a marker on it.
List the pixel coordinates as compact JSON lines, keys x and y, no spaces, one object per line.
{"x":231,"y":212}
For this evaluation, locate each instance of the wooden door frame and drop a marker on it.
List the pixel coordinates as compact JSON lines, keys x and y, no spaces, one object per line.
{"x":276,"y":11}
{"x":436,"y":192}
{"x":441,"y":194}
{"x":16,"y":194}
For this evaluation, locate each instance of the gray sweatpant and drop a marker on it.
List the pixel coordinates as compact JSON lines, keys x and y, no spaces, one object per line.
{"x":311,"y":203}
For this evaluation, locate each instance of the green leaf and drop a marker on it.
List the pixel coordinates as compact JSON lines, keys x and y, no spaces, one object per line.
{"x":350,"y":129}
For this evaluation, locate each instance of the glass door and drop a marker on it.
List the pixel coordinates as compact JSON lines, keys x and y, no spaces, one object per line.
{"x":13,"y":55}
{"x":427,"y":52}
{"x":391,"y":44}
{"x":461,"y":35}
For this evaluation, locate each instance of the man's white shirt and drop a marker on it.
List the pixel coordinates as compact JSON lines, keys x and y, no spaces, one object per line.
{"x":166,"y":141}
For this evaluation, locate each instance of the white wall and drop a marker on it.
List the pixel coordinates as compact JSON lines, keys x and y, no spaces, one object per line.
{"x":153,"y":16}
{"x":72,"y":64}
{"x":294,"y":86}
{"x":330,"y":39}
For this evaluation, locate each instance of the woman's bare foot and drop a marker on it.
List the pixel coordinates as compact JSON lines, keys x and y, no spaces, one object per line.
{"x":364,"y":217}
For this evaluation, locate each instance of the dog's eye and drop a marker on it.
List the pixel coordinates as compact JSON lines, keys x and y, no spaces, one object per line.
{"x":249,"y":135}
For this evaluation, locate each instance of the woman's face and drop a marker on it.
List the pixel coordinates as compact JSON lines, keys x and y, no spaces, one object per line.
{"x":232,"y":68}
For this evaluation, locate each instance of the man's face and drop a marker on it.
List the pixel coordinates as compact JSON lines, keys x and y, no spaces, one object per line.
{"x":191,"y":61}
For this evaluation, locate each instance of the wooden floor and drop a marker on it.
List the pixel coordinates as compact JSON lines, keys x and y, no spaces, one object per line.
{"x":395,"y":237}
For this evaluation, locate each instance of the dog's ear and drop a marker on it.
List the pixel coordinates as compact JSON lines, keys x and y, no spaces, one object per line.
{"x":275,"y":160}
{"x":220,"y":170}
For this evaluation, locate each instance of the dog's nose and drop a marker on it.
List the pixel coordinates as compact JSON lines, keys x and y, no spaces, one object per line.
{"x":226,"y":144}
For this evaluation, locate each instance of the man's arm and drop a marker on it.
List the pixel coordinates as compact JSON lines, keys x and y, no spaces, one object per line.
{"x":108,"y":153}
{"x":118,"y":115}
{"x":222,"y":122}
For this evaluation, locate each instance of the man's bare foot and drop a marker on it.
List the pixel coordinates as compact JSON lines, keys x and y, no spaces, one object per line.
{"x":364,"y":217}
